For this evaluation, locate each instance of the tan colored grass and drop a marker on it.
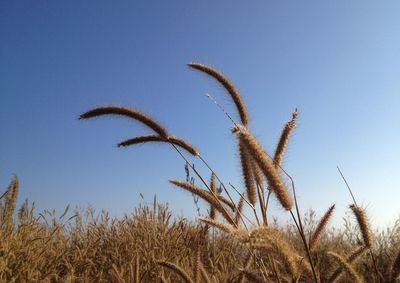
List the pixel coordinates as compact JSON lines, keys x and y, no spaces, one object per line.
{"x":151,"y":245}
{"x":204,"y":274}
{"x":284,"y":139}
{"x":224,"y":81}
{"x":246,"y":162}
{"x":127,"y":112}
{"x":273,"y":242}
{"x":355,"y":277}
{"x":222,"y":226}
{"x":178,"y":270}
{"x":239,"y":211}
{"x":205,"y":195}
{"x":10,"y":201}
{"x":362,"y":221}
{"x":353,"y":257}
{"x":315,"y":237}
{"x":257,"y":173}
{"x":155,"y":138}
{"x":267,"y":167}
{"x":213,"y":188}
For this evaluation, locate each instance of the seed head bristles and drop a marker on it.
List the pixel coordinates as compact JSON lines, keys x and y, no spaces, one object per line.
{"x":213,"y":188}
{"x":350,"y":259}
{"x":363,"y":224}
{"x":10,"y":196}
{"x":239,"y":211}
{"x":316,"y":236}
{"x":267,"y":167}
{"x":127,"y":112}
{"x":396,"y":267}
{"x":220,"y":198}
{"x":258,"y":176}
{"x":347,"y":267}
{"x":155,"y":138}
{"x":186,"y":278}
{"x":356,"y":254}
{"x":284,"y":139}
{"x":206,"y":196}
{"x":222,"y":226}
{"x":261,"y":199}
{"x":184,"y":144}
{"x":273,"y":241}
{"x":245,"y":160}
{"x":237,"y":99}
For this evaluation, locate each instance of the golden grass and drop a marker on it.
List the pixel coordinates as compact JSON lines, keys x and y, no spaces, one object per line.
{"x":84,"y":246}
{"x":226,"y":244}
{"x":154,"y":138}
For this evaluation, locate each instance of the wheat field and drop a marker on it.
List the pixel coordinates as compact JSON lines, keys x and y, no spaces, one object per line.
{"x":237,"y":241}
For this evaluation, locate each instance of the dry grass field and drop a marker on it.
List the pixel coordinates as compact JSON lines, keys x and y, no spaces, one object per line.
{"x":227,"y":245}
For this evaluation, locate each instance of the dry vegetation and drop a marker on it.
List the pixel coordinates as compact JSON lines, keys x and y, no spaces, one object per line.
{"x":227,"y":245}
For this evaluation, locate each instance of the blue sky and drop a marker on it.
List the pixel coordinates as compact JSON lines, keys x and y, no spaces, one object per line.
{"x":337,"y":61}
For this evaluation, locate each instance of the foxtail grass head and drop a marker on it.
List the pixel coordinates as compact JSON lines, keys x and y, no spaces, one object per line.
{"x":227,"y":84}
{"x":126,"y":112}
{"x":266,"y":165}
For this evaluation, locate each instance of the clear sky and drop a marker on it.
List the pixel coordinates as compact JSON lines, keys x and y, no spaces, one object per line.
{"x":337,"y":61}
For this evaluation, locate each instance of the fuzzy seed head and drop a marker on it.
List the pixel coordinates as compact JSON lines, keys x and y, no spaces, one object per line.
{"x":246,"y":162}
{"x":266,"y":166}
{"x":127,"y":112}
{"x":362,"y":221}
{"x":320,"y":228}
{"x":224,"y":81}
{"x":155,"y":138}
{"x":347,"y":267}
{"x":284,"y":139}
